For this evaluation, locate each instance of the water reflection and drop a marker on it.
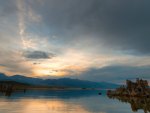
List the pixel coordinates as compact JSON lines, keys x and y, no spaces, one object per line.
{"x":51,"y":93}
{"x":136,"y":103}
{"x":61,"y":101}
{"x":40,"y":106}
{"x":8,"y":87}
{"x":48,"y":101}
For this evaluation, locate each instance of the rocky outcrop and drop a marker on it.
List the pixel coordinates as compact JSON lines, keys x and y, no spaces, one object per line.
{"x":139,"y":88}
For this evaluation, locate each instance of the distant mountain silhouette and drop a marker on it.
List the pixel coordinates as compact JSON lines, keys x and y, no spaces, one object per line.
{"x":66,"y":82}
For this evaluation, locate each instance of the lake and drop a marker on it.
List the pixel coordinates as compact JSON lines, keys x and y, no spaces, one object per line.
{"x":63,"y":101}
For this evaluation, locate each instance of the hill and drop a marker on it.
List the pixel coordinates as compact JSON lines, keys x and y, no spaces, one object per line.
{"x":62,"y":82}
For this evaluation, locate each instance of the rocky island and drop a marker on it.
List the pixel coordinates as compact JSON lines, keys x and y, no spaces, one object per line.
{"x":139,"y":88}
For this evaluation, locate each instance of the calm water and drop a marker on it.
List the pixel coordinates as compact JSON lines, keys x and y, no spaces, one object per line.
{"x":81,"y":101}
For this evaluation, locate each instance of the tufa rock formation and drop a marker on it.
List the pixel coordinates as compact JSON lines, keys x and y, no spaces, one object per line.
{"x":139,"y":88}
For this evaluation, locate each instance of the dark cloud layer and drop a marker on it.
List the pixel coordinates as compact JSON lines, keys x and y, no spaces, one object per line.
{"x":7,"y":8}
{"x":38,"y":55}
{"x":116,"y":73}
{"x":120,"y":24}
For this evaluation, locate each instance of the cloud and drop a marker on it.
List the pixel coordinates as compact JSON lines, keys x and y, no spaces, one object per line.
{"x":37,"y":55}
{"x":122,"y":25}
{"x":102,"y":33}
{"x":11,"y":62}
{"x":116,"y":73}
{"x":3,"y":65}
{"x":8,"y":8}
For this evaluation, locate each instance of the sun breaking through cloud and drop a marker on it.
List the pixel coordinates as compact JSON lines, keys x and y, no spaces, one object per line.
{"x":87,"y":39}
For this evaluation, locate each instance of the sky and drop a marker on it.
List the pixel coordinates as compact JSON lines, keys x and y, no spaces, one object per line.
{"x":97,"y":40}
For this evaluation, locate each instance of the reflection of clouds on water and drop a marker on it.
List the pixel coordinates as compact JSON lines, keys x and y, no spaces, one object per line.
{"x":44,"y":106}
{"x":81,"y":101}
{"x":53,"y":106}
{"x":70,"y":101}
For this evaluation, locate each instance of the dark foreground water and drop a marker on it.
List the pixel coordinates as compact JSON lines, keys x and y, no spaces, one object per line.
{"x":72,"y":101}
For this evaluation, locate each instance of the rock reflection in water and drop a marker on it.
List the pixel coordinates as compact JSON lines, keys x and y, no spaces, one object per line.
{"x":8,"y":87}
{"x":136,"y":103}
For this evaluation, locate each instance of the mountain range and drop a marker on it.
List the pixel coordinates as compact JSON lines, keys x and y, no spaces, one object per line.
{"x":63,"y":82}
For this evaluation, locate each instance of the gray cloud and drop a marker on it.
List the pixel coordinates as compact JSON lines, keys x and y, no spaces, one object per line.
{"x":3,"y":65}
{"x":35,"y":63}
{"x":116,"y":73}
{"x":122,"y":25}
{"x":8,"y":8}
{"x":15,"y":66}
{"x":38,"y":55}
